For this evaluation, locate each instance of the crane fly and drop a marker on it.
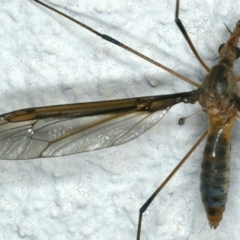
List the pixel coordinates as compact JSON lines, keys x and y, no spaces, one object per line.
{"x":29,"y":133}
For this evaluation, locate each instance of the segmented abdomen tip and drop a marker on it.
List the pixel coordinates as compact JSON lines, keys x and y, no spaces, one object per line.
{"x":214,"y":220}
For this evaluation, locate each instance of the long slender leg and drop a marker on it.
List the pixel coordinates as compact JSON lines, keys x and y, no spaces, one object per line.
{"x":116,"y":42}
{"x":149,"y":201}
{"x":184,"y":32}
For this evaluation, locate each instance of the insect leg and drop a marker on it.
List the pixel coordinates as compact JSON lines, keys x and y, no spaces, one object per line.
{"x":185,"y":34}
{"x":116,"y":42}
{"x":149,"y":201}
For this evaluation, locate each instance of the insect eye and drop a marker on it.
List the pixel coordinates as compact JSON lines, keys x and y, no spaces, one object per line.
{"x":220,"y":48}
{"x":237,"y":50}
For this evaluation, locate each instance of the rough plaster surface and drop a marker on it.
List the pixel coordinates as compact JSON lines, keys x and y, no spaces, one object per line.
{"x":47,"y":60}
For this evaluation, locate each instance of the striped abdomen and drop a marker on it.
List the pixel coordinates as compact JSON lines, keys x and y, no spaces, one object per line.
{"x":215,"y":173}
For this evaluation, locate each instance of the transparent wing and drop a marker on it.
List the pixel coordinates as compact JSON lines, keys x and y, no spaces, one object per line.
{"x":69,"y":129}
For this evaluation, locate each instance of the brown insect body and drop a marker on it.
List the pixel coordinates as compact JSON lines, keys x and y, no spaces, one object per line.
{"x":217,"y":95}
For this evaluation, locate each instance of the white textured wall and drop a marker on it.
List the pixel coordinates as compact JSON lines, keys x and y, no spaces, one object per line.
{"x":47,"y":60}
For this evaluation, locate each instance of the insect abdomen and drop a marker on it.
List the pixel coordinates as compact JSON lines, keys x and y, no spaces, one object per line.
{"x":215,"y":174}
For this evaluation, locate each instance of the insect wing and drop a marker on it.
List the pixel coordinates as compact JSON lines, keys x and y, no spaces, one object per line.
{"x":68,"y":129}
